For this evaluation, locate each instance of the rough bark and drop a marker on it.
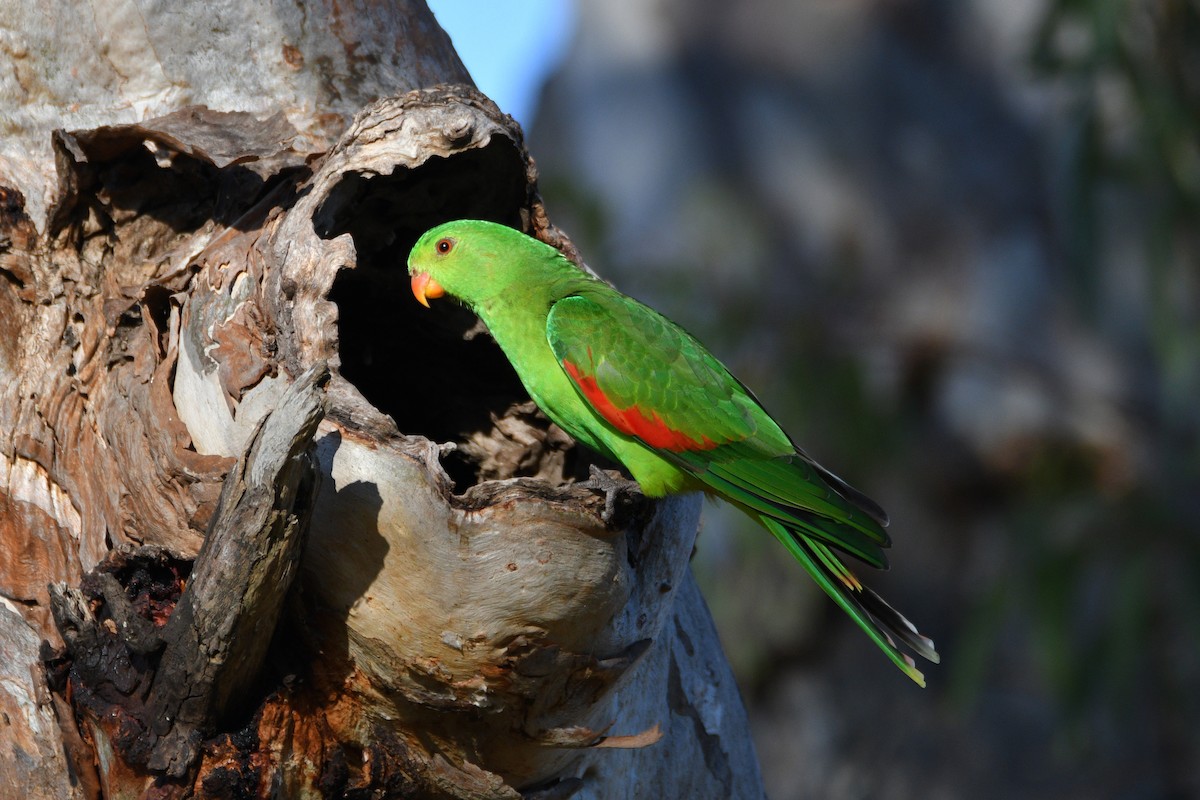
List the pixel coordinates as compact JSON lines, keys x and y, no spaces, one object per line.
{"x":298,"y":539}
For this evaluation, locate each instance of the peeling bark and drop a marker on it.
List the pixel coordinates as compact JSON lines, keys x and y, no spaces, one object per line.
{"x":305,"y":538}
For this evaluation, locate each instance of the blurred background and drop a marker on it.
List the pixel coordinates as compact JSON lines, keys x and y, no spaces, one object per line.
{"x":954,"y":246}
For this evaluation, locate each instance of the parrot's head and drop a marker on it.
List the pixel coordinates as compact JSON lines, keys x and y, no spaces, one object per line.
{"x":470,"y":260}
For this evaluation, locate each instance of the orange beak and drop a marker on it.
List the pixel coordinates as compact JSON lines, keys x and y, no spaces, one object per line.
{"x":425,"y":288}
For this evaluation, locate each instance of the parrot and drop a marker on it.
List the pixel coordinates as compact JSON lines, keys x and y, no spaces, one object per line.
{"x":638,"y":389}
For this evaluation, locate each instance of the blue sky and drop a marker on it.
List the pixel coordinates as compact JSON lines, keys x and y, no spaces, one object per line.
{"x":509,"y":46}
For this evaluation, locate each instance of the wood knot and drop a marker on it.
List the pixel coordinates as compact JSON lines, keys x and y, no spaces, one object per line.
{"x":459,"y":132}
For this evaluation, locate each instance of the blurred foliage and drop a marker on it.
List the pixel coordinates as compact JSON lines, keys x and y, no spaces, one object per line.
{"x":1132,"y":70}
{"x":1109,"y":570}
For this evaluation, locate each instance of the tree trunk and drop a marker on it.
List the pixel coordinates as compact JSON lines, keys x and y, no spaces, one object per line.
{"x":267,"y":528}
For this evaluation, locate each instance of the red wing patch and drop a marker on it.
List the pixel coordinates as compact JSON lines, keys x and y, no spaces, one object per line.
{"x":633,"y":421}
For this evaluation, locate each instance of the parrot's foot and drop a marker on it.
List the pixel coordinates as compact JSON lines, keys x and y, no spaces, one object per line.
{"x":612,"y":484}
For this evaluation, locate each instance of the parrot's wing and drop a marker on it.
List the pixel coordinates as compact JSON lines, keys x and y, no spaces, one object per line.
{"x":650,"y":379}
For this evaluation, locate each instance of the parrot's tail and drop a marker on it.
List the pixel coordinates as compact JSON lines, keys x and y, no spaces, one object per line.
{"x":869,"y":611}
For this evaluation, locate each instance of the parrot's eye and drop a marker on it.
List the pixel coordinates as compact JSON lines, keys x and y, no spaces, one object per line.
{"x":444,"y":246}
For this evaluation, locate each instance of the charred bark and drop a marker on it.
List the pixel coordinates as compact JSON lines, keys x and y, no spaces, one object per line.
{"x":302,"y":541}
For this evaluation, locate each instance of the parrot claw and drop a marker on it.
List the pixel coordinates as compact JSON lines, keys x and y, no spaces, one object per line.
{"x":612,"y":485}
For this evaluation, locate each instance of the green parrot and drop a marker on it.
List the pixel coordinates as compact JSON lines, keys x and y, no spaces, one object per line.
{"x":634,"y":386}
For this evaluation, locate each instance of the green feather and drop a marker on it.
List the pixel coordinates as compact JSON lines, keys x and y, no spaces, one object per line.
{"x":799,"y":548}
{"x":847,"y":539}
